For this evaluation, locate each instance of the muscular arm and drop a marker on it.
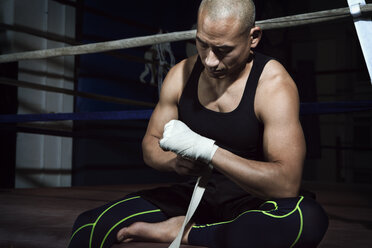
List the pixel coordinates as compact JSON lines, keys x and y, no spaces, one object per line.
{"x":277,"y":106}
{"x":166,"y":110}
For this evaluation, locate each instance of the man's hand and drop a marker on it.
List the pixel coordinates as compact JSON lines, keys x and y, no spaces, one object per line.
{"x":180,"y":139}
{"x":186,"y":167}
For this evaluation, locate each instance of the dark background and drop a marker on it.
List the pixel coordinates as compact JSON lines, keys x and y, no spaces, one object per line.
{"x":109,"y":152}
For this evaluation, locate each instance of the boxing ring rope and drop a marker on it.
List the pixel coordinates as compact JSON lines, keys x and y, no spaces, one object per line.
{"x":281,"y":22}
{"x":306,"y":109}
{"x":71,"y":41}
{"x":275,"y":23}
{"x":23,"y":84}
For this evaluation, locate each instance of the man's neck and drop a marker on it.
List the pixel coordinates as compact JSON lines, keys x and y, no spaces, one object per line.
{"x":221,"y":85}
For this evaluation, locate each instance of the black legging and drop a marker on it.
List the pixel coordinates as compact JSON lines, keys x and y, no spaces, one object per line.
{"x":289,"y":222}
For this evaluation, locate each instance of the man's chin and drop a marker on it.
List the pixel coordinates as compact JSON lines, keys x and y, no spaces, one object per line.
{"x":217,"y":75}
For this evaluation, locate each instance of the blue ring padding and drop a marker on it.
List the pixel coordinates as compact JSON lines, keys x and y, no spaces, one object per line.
{"x":306,"y":109}
{"x":316,"y":108}
{"x":109,"y":115}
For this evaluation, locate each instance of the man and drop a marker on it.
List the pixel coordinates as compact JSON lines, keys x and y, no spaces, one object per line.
{"x":237,"y":111}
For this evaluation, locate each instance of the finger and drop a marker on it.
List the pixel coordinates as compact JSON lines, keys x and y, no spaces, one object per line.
{"x":162,"y":144}
{"x":185,"y":158}
{"x":184,"y":171}
{"x":189,"y":167}
{"x":169,"y":124}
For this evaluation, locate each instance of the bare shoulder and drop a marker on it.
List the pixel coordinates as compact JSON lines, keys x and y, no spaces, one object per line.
{"x":171,"y":90}
{"x":276,"y":92}
{"x":176,"y":79}
{"x":275,"y":78}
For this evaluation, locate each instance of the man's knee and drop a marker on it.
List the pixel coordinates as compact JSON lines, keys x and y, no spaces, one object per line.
{"x":315,"y":223}
{"x":84,"y":218}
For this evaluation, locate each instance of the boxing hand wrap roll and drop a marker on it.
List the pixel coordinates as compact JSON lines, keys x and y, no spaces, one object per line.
{"x":196,"y":197}
{"x":180,"y":139}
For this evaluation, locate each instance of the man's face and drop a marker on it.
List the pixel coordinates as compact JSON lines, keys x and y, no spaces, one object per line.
{"x":222,"y":46}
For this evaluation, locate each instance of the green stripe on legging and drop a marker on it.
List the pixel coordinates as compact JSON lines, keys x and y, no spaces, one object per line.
{"x":90,"y":224}
{"x":301,"y":227}
{"x":107,"y":209}
{"x":131,"y":216}
{"x":297,"y":208}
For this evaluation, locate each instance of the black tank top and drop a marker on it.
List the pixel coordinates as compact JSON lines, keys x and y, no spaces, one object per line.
{"x":238,"y":131}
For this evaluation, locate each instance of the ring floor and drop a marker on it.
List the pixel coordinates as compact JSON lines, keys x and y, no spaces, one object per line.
{"x":43,"y":217}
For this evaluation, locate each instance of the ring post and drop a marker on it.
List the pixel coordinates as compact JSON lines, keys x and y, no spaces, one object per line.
{"x":363,"y":26}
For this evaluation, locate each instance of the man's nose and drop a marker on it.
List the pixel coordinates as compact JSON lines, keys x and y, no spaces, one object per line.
{"x":211,"y":60}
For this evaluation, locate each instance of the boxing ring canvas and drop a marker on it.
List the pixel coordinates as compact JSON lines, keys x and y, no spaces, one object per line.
{"x":42,"y":218}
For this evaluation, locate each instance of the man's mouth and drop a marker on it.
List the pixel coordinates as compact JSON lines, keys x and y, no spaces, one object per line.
{"x":216,"y":72}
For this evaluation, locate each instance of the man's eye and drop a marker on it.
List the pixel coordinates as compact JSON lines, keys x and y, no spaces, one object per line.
{"x":222,"y":51}
{"x":203,"y":45}
{"x":225,"y":50}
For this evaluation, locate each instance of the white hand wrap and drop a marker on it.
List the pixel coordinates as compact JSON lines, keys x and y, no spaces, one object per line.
{"x":180,"y":139}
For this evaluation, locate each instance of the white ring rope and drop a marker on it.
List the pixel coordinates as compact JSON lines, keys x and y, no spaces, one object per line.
{"x":100,"y":46}
{"x":289,"y":21}
{"x":18,"y":83}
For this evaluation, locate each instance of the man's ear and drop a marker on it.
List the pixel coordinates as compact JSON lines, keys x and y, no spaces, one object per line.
{"x":255,"y":36}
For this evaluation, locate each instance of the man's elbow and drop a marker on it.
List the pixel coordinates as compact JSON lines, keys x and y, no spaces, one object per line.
{"x":286,"y":186}
{"x":291,"y":190}
{"x":288,"y":189}
{"x":289,"y":181}
{"x":146,"y":153}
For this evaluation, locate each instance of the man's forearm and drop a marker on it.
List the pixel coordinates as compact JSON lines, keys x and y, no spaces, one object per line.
{"x":155,"y":157}
{"x":262,"y":179}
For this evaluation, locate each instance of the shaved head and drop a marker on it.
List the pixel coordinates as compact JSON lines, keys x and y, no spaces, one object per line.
{"x":242,"y":10}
